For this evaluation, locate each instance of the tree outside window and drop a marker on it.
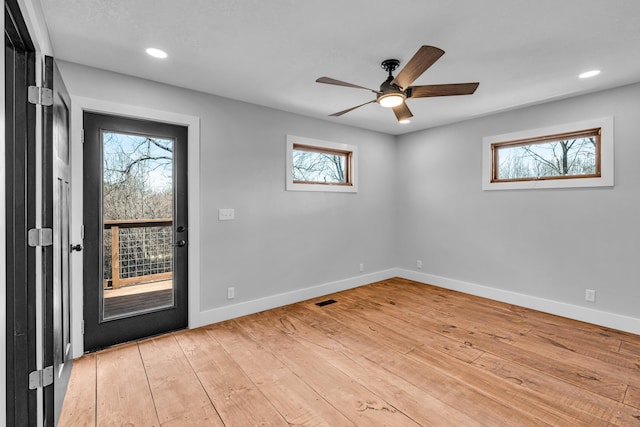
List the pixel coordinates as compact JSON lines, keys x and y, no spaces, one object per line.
{"x":319,"y":166}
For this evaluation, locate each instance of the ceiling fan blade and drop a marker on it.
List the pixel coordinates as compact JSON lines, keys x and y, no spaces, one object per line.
{"x":402,"y":112}
{"x":339,"y":113}
{"x":424,"y":58}
{"x":442,"y":90}
{"x":330,"y":81}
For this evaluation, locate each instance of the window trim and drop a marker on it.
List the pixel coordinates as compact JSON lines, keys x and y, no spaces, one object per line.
{"x":604,"y":162}
{"x":310,"y":144}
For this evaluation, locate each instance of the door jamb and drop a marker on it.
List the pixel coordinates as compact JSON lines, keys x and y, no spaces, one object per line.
{"x":81,"y":104}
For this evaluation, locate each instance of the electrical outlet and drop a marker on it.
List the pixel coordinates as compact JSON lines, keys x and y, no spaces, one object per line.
{"x":590,"y":295}
{"x":231,"y":293}
{"x":419,"y":263}
{"x":361,"y":268}
{"x":226,"y":214}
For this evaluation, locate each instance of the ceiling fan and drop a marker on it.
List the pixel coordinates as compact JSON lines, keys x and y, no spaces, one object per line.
{"x":396,"y":90}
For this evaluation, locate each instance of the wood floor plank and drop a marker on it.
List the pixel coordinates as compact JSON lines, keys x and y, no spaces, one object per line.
{"x":630,"y":348}
{"x":589,"y":408}
{"x":199,"y":417}
{"x":478,"y":331}
{"x":608,"y":354}
{"x":79,"y":407}
{"x":417,"y":404}
{"x":548,"y":414}
{"x":395,"y":353}
{"x":123,"y":393}
{"x":356,"y":402}
{"x":438,"y":304}
{"x":298,"y":403}
{"x":443,"y":373}
{"x":235,"y":397}
{"x":591,"y":335}
{"x":174,"y":386}
{"x":382,"y":315}
{"x":632,"y":397}
{"x":442,"y":386}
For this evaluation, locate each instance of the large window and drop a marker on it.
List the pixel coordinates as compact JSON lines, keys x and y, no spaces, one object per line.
{"x":314,"y":165}
{"x":567,"y":155}
{"x":571,"y":155}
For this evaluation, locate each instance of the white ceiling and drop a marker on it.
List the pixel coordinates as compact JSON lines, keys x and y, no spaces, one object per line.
{"x":270,"y":52}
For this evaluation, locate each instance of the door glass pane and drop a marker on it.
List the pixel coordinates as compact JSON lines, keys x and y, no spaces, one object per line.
{"x":137,"y":205}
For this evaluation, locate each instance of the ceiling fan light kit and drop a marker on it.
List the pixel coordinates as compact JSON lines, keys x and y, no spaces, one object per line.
{"x":394,"y":91}
{"x":391,"y":100}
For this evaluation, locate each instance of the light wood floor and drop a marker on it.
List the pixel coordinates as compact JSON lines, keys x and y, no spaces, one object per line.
{"x":393,"y":353}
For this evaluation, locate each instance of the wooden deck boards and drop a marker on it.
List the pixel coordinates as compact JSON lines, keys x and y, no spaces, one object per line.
{"x":119,"y":305}
{"x":393,"y":353}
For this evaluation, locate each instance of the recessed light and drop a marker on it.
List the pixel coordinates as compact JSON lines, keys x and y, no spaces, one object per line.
{"x":588,"y":74}
{"x":403,"y":121}
{"x":156,"y":53}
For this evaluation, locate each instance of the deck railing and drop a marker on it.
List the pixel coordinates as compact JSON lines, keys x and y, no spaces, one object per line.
{"x":137,"y":251}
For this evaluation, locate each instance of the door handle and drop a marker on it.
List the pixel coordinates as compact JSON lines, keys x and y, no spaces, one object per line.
{"x":179,"y":243}
{"x":76,"y":248}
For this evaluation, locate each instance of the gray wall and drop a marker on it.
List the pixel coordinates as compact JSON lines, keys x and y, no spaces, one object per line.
{"x":420,"y":198}
{"x":550,"y":244}
{"x":280,"y":241}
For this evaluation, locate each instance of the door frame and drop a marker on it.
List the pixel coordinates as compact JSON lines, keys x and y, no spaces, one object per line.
{"x":81,"y":104}
{"x":21,"y":352}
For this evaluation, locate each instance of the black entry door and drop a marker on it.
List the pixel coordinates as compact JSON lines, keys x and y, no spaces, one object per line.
{"x":136,"y":230}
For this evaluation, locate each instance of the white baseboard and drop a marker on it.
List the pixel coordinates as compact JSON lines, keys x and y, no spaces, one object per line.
{"x":266,"y":303}
{"x":584,"y":314}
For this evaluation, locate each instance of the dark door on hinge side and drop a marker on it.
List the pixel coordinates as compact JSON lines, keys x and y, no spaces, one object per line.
{"x":56,"y":173}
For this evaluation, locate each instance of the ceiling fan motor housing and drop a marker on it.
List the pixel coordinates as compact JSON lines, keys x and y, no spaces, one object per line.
{"x":388,"y":87}
{"x":389,"y":92}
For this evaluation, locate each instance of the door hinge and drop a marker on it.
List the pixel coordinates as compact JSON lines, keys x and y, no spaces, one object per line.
{"x":82,"y":231}
{"x":40,"y":237}
{"x":82,"y":136}
{"x":40,"y":96}
{"x":41,"y":378}
{"x":82,"y":327}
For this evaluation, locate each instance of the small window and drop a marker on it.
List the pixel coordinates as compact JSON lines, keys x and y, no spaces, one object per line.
{"x":314,"y":165}
{"x":571,"y":155}
{"x":561,"y":156}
